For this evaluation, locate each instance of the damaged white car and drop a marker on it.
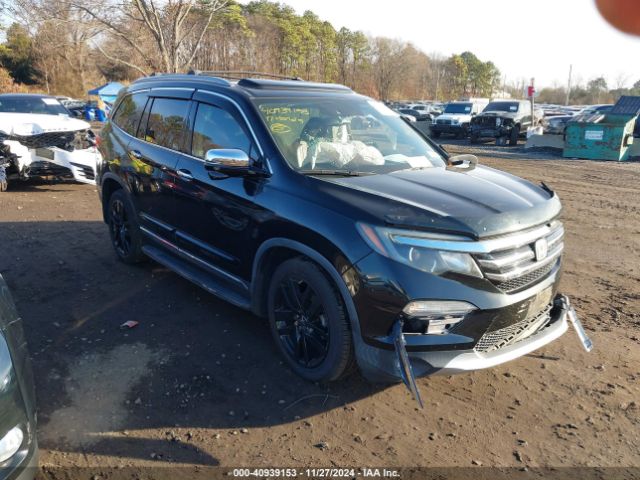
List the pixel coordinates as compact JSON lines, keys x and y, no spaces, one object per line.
{"x":42,"y":144}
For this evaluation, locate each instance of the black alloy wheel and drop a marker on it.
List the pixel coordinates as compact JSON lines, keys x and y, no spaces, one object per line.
{"x":308,"y":321}
{"x":124,"y":229}
{"x":301,"y":322}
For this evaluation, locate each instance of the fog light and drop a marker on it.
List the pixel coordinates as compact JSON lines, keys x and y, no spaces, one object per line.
{"x":10,"y":443}
{"x":438,"y":316}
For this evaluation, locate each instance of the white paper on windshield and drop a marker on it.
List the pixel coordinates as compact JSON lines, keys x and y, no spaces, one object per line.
{"x":51,"y":101}
{"x":467,"y":109}
{"x":382,"y":109}
{"x":513,"y":108}
{"x":419,"y":161}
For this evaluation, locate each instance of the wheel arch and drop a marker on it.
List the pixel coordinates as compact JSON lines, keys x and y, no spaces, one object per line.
{"x":109,"y":184}
{"x":275,"y":250}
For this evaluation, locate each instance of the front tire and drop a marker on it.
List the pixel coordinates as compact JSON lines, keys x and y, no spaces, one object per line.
{"x":309,"y":322}
{"x":124,"y":230}
{"x":514,"y":136}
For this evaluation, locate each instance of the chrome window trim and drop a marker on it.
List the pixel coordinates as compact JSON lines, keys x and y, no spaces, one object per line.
{"x":231,"y":100}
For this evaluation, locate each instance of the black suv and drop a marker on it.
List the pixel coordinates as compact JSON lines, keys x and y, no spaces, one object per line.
{"x":330,"y":214}
{"x":504,"y":120}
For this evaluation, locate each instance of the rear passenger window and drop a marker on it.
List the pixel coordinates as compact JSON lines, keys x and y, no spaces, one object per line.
{"x":217,"y":128}
{"x":129,"y":112}
{"x":166,"y":124}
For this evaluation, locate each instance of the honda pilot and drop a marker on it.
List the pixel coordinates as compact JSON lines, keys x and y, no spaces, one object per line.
{"x":361,"y":241}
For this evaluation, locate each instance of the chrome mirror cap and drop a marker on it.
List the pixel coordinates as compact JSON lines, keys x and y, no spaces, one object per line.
{"x":228,"y":158}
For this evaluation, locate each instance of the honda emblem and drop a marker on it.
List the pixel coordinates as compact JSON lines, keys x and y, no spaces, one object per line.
{"x":541,"y":248}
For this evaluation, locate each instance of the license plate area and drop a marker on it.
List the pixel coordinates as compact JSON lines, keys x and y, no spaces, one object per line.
{"x":45,"y":153}
{"x":540,"y":302}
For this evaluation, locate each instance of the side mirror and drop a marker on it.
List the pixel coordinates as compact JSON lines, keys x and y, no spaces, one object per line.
{"x":457,"y":162}
{"x":229,"y":161}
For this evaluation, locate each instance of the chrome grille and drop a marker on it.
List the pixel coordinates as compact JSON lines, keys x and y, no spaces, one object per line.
{"x":513,"y":333}
{"x":515,"y":268}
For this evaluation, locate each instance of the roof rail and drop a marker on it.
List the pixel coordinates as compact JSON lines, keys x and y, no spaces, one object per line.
{"x":241,"y":74}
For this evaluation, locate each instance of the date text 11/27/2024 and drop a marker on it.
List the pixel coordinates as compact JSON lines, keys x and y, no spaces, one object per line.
{"x":315,"y":472}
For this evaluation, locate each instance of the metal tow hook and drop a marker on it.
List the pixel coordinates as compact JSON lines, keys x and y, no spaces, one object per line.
{"x":577,"y":325}
{"x":404,"y":364}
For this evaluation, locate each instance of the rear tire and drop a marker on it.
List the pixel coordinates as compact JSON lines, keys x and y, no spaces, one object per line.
{"x":126,"y":237}
{"x":309,"y":322}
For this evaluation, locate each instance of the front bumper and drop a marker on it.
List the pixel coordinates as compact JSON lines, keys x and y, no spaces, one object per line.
{"x":383,"y":365}
{"x":445,"y":128}
{"x":81,"y":163}
{"x":482,"y":131}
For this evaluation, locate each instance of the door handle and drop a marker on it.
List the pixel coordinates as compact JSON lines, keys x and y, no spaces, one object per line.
{"x":185,"y":174}
{"x":135,"y":154}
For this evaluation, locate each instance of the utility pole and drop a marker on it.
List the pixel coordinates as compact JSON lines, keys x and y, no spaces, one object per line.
{"x":532,"y":93}
{"x":569,"y":86}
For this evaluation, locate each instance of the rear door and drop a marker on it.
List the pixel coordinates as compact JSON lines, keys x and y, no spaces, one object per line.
{"x":153,"y":156}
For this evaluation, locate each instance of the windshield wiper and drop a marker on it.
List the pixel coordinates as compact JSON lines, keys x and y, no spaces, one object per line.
{"x":341,"y":173}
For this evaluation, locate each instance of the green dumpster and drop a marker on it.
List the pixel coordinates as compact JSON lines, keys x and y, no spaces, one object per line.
{"x":605,"y":137}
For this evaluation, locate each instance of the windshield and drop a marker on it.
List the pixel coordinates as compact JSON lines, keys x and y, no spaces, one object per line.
{"x":502,"y":107}
{"x":345,"y":134}
{"x":43,"y":105}
{"x":458,"y":108}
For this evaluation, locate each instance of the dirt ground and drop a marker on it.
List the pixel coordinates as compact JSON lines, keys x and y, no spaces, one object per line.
{"x":198,"y":382}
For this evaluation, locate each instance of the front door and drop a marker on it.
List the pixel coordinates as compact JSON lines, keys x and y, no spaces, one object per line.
{"x":216,"y":213}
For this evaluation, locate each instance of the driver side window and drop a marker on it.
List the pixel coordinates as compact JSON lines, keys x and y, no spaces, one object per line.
{"x":216,"y":128}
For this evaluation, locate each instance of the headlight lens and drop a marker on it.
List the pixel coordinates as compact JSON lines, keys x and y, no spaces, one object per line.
{"x":10,"y":443}
{"x":409,"y":252}
{"x":6,"y":367}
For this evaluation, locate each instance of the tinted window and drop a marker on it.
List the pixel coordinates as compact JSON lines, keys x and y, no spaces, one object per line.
{"x":167,"y":122}
{"x":129,"y":112}
{"x":458,"y":108}
{"x":217,"y":128}
{"x":502,"y":107}
{"x":29,"y":104}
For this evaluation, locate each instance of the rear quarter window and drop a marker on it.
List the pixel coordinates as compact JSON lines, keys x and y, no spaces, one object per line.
{"x":128,"y":114}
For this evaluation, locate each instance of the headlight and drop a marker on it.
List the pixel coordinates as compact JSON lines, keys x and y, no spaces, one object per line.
{"x":404,"y":247}
{"x":498,"y":122}
{"x":455,"y":122}
{"x":6,"y":366}
{"x":10,"y":443}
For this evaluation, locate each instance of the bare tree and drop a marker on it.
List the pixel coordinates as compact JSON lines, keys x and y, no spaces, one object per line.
{"x":176,"y":29}
{"x":388,"y":63}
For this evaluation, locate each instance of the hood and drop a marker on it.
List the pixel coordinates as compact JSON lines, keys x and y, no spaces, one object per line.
{"x":27,"y":124}
{"x":480,"y":203}
{"x":500,"y":114}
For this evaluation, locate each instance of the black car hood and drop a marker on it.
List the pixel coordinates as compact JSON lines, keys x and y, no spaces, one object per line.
{"x":498,"y":114}
{"x":478,"y":203}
